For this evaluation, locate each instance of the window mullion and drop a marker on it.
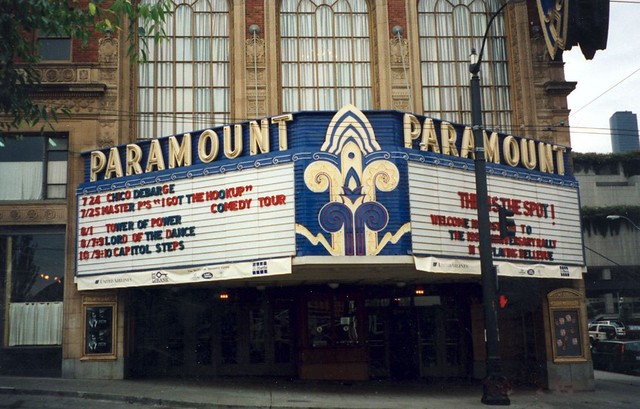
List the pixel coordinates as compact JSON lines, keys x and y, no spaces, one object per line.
{"x":316,"y":84}
{"x":45,"y":168}
{"x":194,"y":94}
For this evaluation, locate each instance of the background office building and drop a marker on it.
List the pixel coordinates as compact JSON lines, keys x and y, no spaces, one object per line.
{"x":342,"y":125}
{"x":624,"y":132}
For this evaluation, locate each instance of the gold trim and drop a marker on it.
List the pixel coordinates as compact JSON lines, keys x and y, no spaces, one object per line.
{"x":113,"y":306}
{"x":566,"y":308}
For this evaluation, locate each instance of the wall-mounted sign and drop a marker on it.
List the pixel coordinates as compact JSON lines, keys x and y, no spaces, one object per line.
{"x":195,"y":226}
{"x":569,"y":341}
{"x":240,"y":201}
{"x":547,"y":242}
{"x":554,"y":19}
{"x":567,"y":23}
{"x":99,"y":330}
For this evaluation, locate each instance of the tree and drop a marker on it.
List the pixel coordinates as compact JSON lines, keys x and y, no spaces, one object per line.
{"x":21,"y":20}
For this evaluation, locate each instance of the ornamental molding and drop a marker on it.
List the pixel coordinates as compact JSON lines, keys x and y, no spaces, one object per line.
{"x":108,"y":50}
{"x":399,"y":50}
{"x":348,"y":171}
{"x":257,"y":51}
{"x":20,"y":214}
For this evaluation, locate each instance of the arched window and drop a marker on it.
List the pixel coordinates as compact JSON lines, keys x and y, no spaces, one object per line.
{"x":447,"y":31}
{"x":185,"y":85}
{"x":325,"y":54}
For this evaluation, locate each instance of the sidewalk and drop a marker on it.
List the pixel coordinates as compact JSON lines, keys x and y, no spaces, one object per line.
{"x":239,"y":393}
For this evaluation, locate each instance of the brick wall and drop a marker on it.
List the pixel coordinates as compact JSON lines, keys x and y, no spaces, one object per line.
{"x":397,"y":15}
{"x":255,"y":14}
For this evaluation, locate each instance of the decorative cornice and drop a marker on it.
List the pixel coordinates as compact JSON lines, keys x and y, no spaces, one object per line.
{"x":42,"y":213}
{"x":70,"y":89}
{"x":563,"y":88}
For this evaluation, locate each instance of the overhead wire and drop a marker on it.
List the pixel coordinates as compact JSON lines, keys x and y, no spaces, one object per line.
{"x":213,"y":120}
{"x":602,"y":255}
{"x":573,"y":112}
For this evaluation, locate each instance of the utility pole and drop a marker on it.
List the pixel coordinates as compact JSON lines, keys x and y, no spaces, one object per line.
{"x":494,"y":392}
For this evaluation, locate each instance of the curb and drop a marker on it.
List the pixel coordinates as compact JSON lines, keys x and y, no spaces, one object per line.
{"x":10,"y":390}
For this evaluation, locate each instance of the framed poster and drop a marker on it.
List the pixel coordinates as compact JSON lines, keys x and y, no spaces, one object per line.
{"x":566,"y":333}
{"x":568,"y":337}
{"x":99,"y":340}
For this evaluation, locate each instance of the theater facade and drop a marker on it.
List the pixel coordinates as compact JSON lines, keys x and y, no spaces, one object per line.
{"x":333,"y":245}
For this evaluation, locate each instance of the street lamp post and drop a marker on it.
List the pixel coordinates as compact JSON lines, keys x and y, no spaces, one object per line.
{"x":617,"y":216}
{"x":494,"y":392}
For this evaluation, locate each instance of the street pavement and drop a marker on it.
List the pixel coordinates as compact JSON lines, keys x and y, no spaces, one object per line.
{"x":612,"y":391}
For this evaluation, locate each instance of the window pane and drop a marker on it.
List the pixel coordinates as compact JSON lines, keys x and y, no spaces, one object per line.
{"x":23,"y":165}
{"x":203,"y":49}
{"x":257,"y":335}
{"x":57,"y":172}
{"x":447,"y":31}
{"x":35,"y":323}
{"x":325,"y":50}
{"x":21,"y":181}
{"x":55,"y":49}
{"x":319,"y":321}
{"x":165,"y":75}
{"x":307,"y":50}
{"x":327,"y":98}
{"x":229,"y":331}
{"x":282,"y":332}
{"x":362,"y":73}
{"x":335,"y":33}
{"x":57,"y":144}
{"x":184,"y":75}
{"x":56,"y":192}
{"x":198,"y":34}
{"x":37,"y":262}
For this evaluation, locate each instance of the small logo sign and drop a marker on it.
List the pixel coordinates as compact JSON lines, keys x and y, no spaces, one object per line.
{"x":564,"y":271}
{"x":260,"y":268}
{"x":159,"y":277}
{"x":207,"y":275}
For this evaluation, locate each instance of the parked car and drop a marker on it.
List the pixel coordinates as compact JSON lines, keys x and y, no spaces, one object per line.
{"x":633,"y":331}
{"x":621,"y":330}
{"x":616,"y":355}
{"x":601,"y":332}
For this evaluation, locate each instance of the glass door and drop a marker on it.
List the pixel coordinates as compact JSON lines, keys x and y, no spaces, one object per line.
{"x":403,"y":340}
{"x":444,"y":343}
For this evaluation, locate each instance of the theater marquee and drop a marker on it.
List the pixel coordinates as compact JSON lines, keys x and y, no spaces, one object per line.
{"x":241,"y":201}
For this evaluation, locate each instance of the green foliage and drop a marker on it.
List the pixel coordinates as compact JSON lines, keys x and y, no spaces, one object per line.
{"x":607,"y":163}
{"x":21,"y":20}
{"x":594,"y":219}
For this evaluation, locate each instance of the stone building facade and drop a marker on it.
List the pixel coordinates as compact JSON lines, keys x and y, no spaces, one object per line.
{"x":101,"y":88}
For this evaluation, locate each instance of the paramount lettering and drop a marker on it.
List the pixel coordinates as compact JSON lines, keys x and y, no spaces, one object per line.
{"x":425,"y":134}
{"x":179,"y":153}
{"x":528,"y":154}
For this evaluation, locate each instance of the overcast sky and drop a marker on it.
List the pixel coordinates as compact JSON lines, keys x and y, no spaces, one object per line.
{"x":608,"y":83}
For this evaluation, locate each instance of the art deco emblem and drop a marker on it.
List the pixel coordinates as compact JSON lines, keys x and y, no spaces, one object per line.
{"x":352,"y":217}
{"x":554,"y":17}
